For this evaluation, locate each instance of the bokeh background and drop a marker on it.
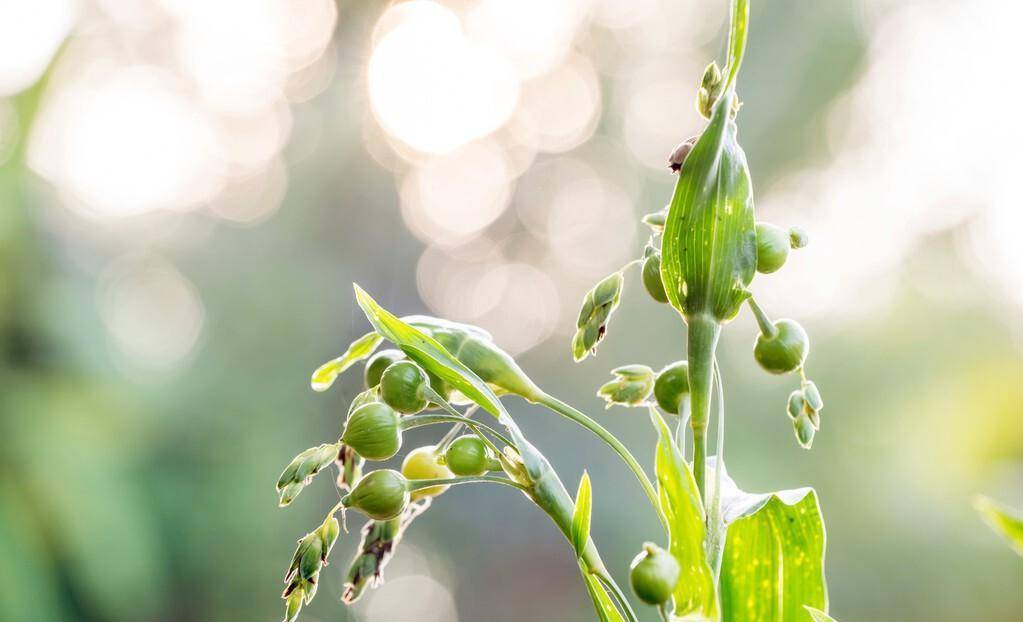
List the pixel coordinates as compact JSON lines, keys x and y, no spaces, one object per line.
{"x":188,"y":189}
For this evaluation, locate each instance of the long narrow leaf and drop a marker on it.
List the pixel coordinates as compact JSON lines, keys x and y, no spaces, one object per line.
{"x":602,"y":601}
{"x":773,"y":563}
{"x":1005,"y":521}
{"x":680,"y":501}
{"x":326,"y":374}
{"x":581,"y":516}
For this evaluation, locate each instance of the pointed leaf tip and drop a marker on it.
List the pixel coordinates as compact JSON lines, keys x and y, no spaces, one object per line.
{"x":581,"y":515}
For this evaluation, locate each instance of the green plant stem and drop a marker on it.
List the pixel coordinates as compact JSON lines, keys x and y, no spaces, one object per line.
{"x":702,"y":338}
{"x":452,"y":434}
{"x":419,"y":484}
{"x":416,"y":421}
{"x":572,"y":414}
{"x":714,"y":518}
{"x":662,"y":611}
{"x":618,"y":595}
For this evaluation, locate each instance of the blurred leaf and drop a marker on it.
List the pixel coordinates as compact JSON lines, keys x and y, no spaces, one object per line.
{"x":680,"y":502}
{"x":29,"y":585}
{"x":602,"y":601}
{"x":1003,"y":520}
{"x":581,"y":516}
{"x":326,"y":374}
{"x":819,"y":616}
{"x":773,"y":563}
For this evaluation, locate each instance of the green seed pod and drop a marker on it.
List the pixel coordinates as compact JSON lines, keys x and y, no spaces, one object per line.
{"x":654,"y":574}
{"x":795,"y":404}
{"x":380,"y":495}
{"x":785,"y":351}
{"x":403,"y":386}
{"x":671,"y":388}
{"x":804,"y":430}
{"x":421,"y":463}
{"x":496,"y":367}
{"x":798,"y":238}
{"x":655,"y":220}
{"x":813,"y":396}
{"x":772,"y":247}
{"x":375,"y":366}
{"x":652,"y":277}
{"x":467,"y":455}
{"x":598,"y":305}
{"x":631,"y":387}
{"x":373,"y":431}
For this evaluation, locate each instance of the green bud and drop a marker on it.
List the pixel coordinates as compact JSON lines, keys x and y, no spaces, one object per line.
{"x":804,"y":430}
{"x":703,"y":102}
{"x":496,"y":367}
{"x":654,"y":573}
{"x":467,"y":456}
{"x":711,"y":77}
{"x":652,"y":277}
{"x":349,"y":467}
{"x":772,"y":247}
{"x":631,"y":387}
{"x":671,"y":388}
{"x":403,"y":387}
{"x":375,"y":366}
{"x":598,"y":305}
{"x":813,"y":396}
{"x":312,"y":557}
{"x":656,"y":220}
{"x":798,"y":238}
{"x":329,"y":531}
{"x":795,"y":404}
{"x":293,"y":605}
{"x":301,"y":470}
{"x":373,"y":431}
{"x":381,"y":494}
{"x":422,"y":463}
{"x":785,"y":351}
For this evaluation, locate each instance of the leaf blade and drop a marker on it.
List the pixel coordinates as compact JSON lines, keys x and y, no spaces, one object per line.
{"x":818,"y":615}
{"x":602,"y":601}
{"x":773,"y":564}
{"x":695,"y":593}
{"x":326,"y":374}
{"x":581,"y":515}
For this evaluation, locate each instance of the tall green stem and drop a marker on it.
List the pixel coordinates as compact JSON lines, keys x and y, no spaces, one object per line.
{"x":703,"y":338}
{"x":572,"y":414}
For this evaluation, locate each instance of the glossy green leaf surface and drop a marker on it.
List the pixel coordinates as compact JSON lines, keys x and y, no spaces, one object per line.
{"x":1005,"y":521}
{"x":429,"y":354}
{"x":326,"y":374}
{"x":680,"y":501}
{"x":582,"y":514}
{"x":709,"y":248}
{"x":773,"y":563}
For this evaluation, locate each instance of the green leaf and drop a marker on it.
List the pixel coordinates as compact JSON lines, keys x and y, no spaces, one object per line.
{"x":602,"y":601}
{"x":773,"y":562}
{"x":819,"y":616}
{"x":581,"y":516}
{"x":429,"y":354}
{"x":326,"y":374}
{"x":737,"y":40}
{"x":1004,"y":520}
{"x":680,"y":501}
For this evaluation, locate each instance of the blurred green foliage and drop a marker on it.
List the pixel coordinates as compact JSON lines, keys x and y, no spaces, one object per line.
{"x":128,"y":498}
